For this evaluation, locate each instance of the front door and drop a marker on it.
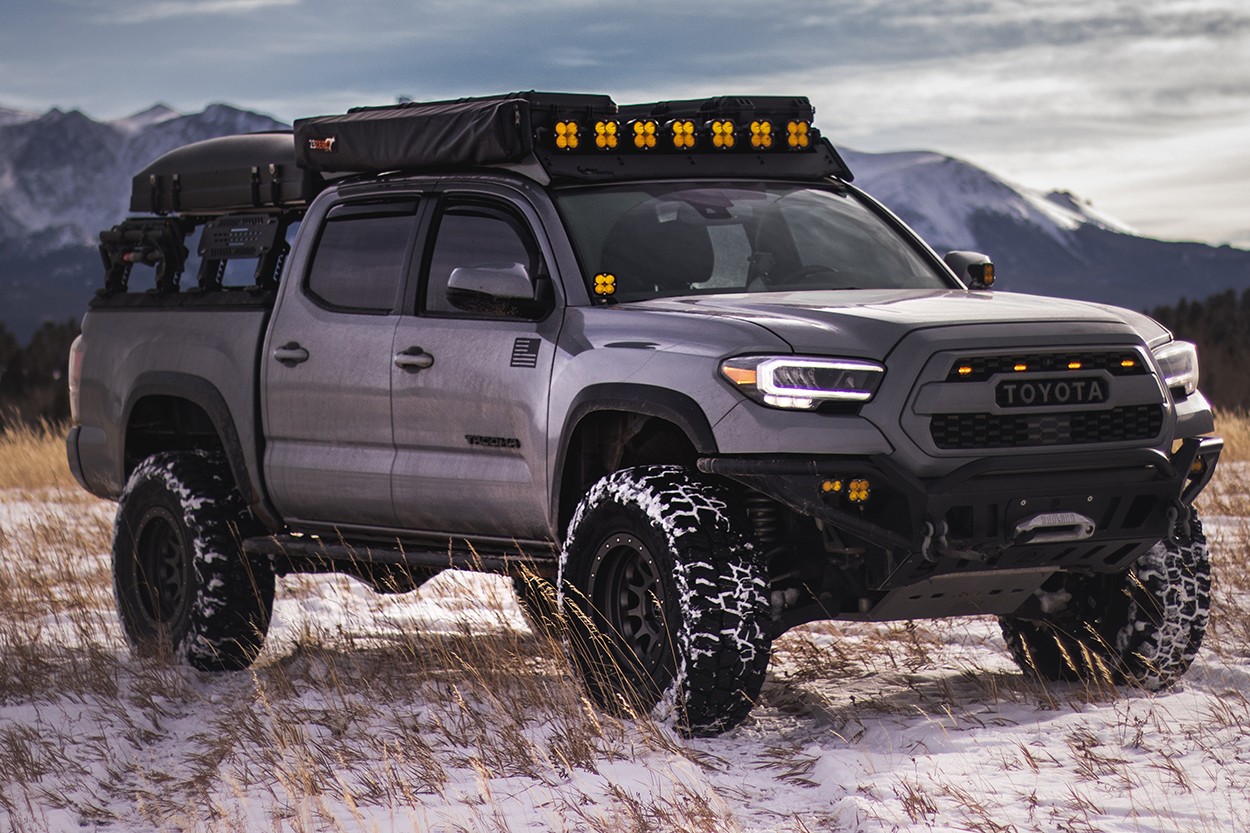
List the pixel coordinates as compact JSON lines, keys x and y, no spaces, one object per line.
{"x":470,"y":412}
{"x":327,"y":369}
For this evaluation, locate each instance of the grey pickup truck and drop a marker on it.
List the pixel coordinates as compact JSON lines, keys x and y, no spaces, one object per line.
{"x":661,"y":363}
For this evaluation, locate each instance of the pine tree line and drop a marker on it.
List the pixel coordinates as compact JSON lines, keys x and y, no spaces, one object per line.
{"x":33,"y":384}
{"x":1220,"y":326}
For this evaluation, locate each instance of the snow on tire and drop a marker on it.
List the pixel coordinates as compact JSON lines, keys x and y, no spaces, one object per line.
{"x":666,"y":599}
{"x":1143,"y":627}
{"x":184,"y":588}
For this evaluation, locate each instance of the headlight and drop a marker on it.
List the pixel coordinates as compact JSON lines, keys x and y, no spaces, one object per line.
{"x":1178,"y":362}
{"x":802,"y":383}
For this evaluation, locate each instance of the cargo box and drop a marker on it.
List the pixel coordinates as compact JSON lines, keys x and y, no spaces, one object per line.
{"x":254,"y":170}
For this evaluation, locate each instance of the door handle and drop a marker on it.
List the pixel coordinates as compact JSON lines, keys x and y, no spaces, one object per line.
{"x":414,"y":358}
{"x":290,"y":354}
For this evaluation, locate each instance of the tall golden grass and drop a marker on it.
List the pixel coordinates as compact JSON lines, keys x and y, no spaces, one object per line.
{"x":33,"y":457}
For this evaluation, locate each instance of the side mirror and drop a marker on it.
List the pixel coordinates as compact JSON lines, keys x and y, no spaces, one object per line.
{"x":976,"y":269}
{"x":503,"y":280}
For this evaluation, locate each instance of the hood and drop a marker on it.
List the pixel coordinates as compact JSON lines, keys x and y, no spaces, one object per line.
{"x":867,"y":323}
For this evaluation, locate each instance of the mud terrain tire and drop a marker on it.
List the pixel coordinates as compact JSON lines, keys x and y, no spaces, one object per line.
{"x":184,"y":588}
{"x":666,"y":599}
{"x":1143,"y":627}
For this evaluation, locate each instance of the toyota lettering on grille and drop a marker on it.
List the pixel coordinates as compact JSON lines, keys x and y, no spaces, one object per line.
{"x":1034,"y":392}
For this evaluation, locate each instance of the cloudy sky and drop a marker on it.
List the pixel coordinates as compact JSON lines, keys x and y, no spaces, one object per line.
{"x":1141,"y":106}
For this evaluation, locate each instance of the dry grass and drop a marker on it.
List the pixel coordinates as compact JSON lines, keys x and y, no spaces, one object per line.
{"x":33,"y":458}
{"x":1234,"y":427}
{"x":440,"y":710}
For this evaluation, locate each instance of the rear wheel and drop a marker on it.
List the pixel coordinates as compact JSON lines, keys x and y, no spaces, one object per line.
{"x":1143,"y":627}
{"x":666,"y":599}
{"x":185,"y":590}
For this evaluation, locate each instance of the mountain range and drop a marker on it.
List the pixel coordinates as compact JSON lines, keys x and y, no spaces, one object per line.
{"x":64,"y":177}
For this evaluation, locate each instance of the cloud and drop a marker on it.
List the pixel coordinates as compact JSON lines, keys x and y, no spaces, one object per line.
{"x":131,"y":13}
{"x":1050,"y":92}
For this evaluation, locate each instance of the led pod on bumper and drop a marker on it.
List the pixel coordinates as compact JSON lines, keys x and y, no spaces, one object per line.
{"x":802,"y":383}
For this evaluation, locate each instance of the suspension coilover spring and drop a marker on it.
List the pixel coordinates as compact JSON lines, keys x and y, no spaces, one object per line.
{"x":764,"y":513}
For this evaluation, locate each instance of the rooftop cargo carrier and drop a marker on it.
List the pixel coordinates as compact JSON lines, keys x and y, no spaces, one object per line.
{"x":232,"y":173}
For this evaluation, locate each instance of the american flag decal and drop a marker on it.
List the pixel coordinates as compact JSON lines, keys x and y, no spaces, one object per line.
{"x":525,"y":352}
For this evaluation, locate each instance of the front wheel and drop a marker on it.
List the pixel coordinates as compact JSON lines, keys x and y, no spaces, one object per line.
{"x":185,"y":589}
{"x":666,"y":598}
{"x":1143,"y":627}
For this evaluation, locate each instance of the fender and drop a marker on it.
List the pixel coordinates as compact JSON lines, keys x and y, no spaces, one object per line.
{"x":673,"y":406}
{"x":203,"y":393}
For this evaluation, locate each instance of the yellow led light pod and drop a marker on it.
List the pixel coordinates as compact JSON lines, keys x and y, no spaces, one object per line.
{"x":605,"y":283}
{"x":857,"y":491}
{"x":566,"y":135}
{"x":722,"y":131}
{"x":644,"y":131}
{"x":761,"y":134}
{"x":683,"y":134}
{"x":606,"y":137}
{"x":797,"y":134}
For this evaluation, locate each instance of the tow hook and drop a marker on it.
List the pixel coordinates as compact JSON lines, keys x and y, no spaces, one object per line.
{"x":1178,"y":522}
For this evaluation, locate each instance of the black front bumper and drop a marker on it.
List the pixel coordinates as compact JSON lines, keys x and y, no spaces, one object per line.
{"x":976,"y":518}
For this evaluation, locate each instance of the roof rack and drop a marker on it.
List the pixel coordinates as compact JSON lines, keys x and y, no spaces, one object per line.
{"x":576,"y":137}
{"x":548,"y":136}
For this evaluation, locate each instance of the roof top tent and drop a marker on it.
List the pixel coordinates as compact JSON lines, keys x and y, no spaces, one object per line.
{"x":561,"y":136}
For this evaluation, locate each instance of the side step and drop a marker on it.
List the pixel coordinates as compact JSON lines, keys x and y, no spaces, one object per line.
{"x":306,"y":546}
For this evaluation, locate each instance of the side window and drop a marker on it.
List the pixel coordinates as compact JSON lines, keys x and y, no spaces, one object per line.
{"x":358,"y":264}
{"x":475,"y":236}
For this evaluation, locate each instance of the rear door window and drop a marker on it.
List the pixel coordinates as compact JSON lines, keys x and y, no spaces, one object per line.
{"x":361,"y":254}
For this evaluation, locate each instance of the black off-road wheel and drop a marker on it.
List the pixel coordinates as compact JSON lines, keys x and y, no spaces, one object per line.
{"x":666,"y":599}
{"x":185,"y":590}
{"x":1143,"y":627}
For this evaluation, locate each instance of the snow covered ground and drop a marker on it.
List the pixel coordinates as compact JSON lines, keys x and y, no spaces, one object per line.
{"x":440,"y":710}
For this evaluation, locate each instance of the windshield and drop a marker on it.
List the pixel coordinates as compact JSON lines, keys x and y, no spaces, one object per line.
{"x":658,"y":240}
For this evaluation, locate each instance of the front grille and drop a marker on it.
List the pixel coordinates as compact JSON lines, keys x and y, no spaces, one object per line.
{"x":1134,"y":422}
{"x":1115,"y":362}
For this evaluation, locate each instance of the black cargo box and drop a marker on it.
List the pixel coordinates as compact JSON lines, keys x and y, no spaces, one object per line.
{"x":469,"y":132}
{"x":254,"y":170}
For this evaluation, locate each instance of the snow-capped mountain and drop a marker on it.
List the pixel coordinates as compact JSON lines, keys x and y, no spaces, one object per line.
{"x":1047,"y":244}
{"x":64,"y":177}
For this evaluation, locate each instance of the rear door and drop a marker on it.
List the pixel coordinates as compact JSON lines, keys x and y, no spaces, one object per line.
{"x":471,"y":426}
{"x":327,"y":368}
